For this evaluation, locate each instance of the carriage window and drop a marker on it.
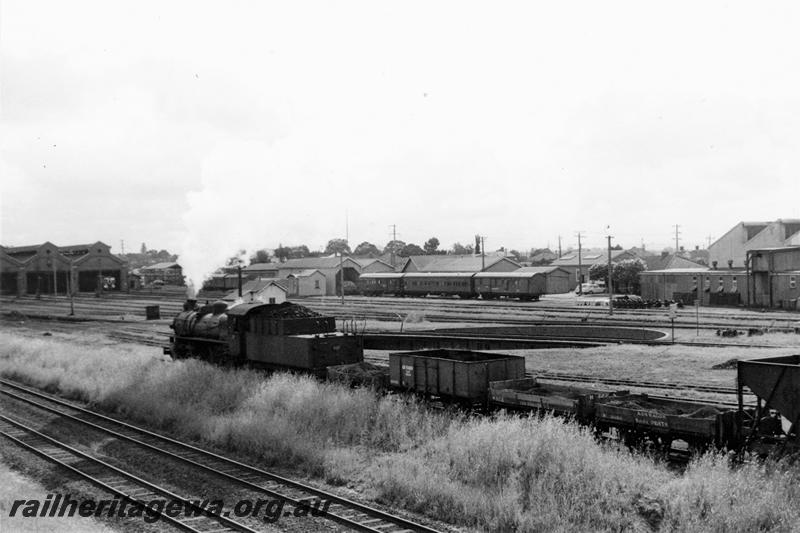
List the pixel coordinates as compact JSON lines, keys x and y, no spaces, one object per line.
{"x":792,"y":282}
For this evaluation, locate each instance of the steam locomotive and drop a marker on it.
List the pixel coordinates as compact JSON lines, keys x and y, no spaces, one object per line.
{"x":285,"y":336}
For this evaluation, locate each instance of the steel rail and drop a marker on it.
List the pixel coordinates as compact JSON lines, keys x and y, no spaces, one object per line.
{"x":117,"y":482}
{"x":367,"y":518}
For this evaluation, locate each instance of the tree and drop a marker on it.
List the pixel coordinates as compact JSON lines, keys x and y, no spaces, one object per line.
{"x":394,"y":247}
{"x":282,"y":253}
{"x":513,"y":254}
{"x":143,"y":249}
{"x":460,"y":249}
{"x":337,"y":246}
{"x":624,"y":274}
{"x":431,"y":245}
{"x":411,"y":249}
{"x":261,"y":256}
{"x":367,"y":248}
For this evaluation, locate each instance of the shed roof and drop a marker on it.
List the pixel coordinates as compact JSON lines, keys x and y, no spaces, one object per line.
{"x":316,"y":262}
{"x":454,"y":263}
{"x":262,"y":266}
{"x":306,"y":273}
{"x":438,"y":274}
{"x":670,"y":261}
{"x":681,"y":271}
{"x":540,"y":269}
{"x":161,"y":266}
{"x":589,"y":257}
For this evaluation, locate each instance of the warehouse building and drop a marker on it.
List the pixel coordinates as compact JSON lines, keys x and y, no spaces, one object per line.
{"x":773,"y":274}
{"x":730,"y":250}
{"x":718,"y":287}
{"x":50,"y":269}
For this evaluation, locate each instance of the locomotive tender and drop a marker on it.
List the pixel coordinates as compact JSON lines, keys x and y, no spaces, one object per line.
{"x":286,"y":336}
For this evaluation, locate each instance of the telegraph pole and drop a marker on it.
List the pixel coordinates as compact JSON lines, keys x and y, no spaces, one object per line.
{"x":610,"y":289}
{"x":580,"y":266}
{"x":341,"y":273}
{"x":483,"y":252}
{"x":394,"y":240}
{"x":676,"y":238}
{"x":559,"y":245}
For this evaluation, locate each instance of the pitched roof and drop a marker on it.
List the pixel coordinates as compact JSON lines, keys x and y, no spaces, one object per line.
{"x":670,"y":261}
{"x":305,"y":273}
{"x":161,"y":266}
{"x":255,"y":285}
{"x":454,"y":263}
{"x":315,"y":262}
{"x":262,"y":266}
{"x":539,"y":269}
{"x":588,"y":257}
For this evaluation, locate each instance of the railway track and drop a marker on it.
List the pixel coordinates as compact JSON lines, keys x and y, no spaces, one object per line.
{"x":461,"y":310}
{"x":113,"y":480}
{"x":349,"y":513}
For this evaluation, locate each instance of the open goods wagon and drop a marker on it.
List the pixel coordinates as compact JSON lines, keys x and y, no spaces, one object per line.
{"x":455,"y":374}
{"x":639,"y":416}
{"x":562,"y":400}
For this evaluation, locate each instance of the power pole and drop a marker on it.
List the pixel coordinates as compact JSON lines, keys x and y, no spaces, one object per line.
{"x":610,"y":289}
{"x":122,"y":246}
{"x":341,"y":273}
{"x":559,"y":245}
{"x":346,"y":227}
{"x":580,"y":266}
{"x":709,"y":241}
{"x":676,"y":238}
{"x":394,"y":239}
{"x":483,"y":253}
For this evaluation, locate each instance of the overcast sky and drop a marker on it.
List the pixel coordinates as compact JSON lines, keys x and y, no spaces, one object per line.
{"x":205,"y":127}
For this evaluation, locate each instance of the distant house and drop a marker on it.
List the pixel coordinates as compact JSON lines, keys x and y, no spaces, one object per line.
{"x":266,"y":291}
{"x":543,"y":256}
{"x":579,"y":266}
{"x":310,"y":282}
{"x":170,"y":273}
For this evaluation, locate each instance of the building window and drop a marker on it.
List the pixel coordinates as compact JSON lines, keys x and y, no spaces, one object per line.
{"x":316,"y":284}
{"x":734,"y":284}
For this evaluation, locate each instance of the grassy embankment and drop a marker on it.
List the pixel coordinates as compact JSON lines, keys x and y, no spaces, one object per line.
{"x":503,"y":473}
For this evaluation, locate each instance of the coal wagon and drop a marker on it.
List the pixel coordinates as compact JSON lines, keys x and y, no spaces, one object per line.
{"x":459,"y":375}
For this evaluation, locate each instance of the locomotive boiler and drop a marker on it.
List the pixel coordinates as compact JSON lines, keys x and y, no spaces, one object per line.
{"x":285,"y":335}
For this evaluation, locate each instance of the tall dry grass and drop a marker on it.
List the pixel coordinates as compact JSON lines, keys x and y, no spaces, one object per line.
{"x":505,"y":473}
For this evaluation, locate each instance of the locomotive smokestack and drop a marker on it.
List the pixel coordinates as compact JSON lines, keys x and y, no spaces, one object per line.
{"x":239,"y":278}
